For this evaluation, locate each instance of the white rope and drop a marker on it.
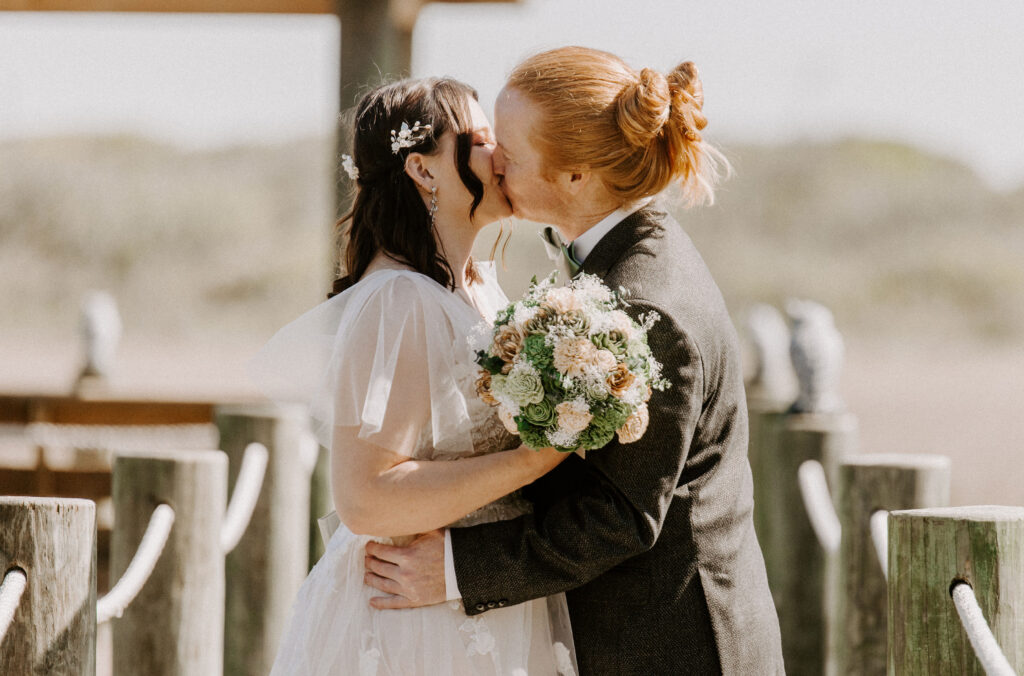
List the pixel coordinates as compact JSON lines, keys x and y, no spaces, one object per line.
{"x":123,"y":437}
{"x":10,"y":596}
{"x":818,"y":502}
{"x":992,"y":659}
{"x":880,"y":536}
{"x":142,"y":564}
{"x":243,"y":500}
{"x":309,"y":451}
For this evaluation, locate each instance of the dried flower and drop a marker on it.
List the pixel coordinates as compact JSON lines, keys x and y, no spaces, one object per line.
{"x":620,"y":380}
{"x":635,"y":425}
{"x":483,"y":388}
{"x":507,"y":343}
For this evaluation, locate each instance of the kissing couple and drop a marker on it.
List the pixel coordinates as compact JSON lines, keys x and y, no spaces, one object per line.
{"x":461,"y":551}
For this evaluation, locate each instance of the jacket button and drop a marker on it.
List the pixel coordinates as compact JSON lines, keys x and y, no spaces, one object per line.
{"x":492,"y":604}
{"x":480,"y":606}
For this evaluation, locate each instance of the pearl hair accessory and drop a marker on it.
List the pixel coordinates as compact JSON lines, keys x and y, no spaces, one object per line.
{"x":407,"y":137}
{"x":349,"y":165}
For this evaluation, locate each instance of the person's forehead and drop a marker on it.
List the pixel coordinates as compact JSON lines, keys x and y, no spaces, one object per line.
{"x":513,"y":115}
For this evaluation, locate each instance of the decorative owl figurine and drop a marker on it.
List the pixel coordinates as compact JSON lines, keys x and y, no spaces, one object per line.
{"x":101,"y":333}
{"x":772,"y":378}
{"x":816,"y":349}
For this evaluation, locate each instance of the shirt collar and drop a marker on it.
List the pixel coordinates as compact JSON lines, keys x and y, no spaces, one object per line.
{"x":585,"y":243}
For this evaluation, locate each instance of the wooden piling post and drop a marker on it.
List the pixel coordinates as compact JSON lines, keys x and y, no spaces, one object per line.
{"x":267,"y":567}
{"x":794,"y":559}
{"x":53,"y":540}
{"x":929,"y":549}
{"x":866,"y":484}
{"x":175,"y":626}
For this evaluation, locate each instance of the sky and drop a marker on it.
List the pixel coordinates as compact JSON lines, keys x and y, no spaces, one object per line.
{"x":944,"y":76}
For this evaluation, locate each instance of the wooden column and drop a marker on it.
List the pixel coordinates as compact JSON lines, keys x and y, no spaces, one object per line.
{"x":765,"y":421}
{"x":267,"y":567}
{"x":929,"y":549}
{"x":794,"y":559}
{"x":866,"y":484}
{"x":54,"y":628}
{"x":175,"y":626}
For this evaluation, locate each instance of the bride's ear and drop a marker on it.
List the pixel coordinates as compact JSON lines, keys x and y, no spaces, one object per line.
{"x":416,"y":168}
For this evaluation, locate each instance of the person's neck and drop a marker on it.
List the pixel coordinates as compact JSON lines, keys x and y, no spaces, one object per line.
{"x":456,"y":245}
{"x":585,"y":214}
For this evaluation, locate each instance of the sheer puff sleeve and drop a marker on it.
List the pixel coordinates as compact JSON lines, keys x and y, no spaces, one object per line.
{"x":384,"y":357}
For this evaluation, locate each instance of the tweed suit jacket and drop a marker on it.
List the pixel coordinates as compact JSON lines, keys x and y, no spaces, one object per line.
{"x":653,"y":542}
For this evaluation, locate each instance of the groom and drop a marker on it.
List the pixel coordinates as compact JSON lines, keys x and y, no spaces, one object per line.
{"x":653,"y":542}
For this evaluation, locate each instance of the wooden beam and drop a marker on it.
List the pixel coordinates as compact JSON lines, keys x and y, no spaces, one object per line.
{"x":196,"y":6}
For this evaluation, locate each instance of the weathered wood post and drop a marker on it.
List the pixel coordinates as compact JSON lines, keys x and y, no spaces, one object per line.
{"x":268,"y":565}
{"x":175,"y":626}
{"x":866,"y":484}
{"x":53,"y":540}
{"x":931,"y":549}
{"x":794,"y":558}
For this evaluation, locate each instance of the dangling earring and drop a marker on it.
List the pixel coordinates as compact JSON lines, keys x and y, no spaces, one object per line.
{"x":433,"y":204}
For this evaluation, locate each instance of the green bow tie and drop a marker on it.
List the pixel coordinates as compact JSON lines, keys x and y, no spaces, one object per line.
{"x":554,"y":244}
{"x":570,"y":259}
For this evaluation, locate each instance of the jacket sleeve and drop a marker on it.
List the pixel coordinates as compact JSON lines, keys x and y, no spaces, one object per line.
{"x":590,"y":515}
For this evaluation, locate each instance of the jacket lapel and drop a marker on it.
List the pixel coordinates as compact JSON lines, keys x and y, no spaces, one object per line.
{"x":636,"y":227}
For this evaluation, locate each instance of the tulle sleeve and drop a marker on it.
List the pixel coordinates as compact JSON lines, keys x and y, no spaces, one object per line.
{"x":383,"y":357}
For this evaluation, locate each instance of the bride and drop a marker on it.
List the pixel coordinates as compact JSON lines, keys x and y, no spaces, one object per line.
{"x":386,"y":368}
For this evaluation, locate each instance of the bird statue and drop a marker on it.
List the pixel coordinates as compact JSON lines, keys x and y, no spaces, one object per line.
{"x":101,"y":334}
{"x":816,"y":350}
{"x":772,"y":379}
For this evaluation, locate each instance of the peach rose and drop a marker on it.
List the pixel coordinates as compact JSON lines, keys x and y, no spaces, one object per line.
{"x":604,"y":360}
{"x":573,"y":417}
{"x":562,"y":299}
{"x":635,"y":425}
{"x":572,"y":355}
{"x":508,"y":420}
{"x":620,"y":380}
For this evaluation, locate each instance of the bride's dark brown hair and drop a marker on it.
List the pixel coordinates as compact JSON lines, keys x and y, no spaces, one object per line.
{"x":388,"y":215}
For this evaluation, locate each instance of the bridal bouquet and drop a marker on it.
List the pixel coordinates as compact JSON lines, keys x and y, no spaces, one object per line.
{"x":566,"y":367}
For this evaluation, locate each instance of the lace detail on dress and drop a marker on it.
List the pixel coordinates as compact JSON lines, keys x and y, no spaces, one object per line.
{"x":369,"y":656}
{"x":563,"y":660}
{"x":480,"y":638}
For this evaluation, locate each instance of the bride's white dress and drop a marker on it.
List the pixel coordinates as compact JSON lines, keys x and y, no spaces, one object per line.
{"x":392,"y":355}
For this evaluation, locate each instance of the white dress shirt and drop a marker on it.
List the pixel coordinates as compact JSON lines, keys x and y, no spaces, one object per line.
{"x":581,"y":248}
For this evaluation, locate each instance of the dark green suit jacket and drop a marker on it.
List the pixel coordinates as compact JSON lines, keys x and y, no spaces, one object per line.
{"x":653,"y":542}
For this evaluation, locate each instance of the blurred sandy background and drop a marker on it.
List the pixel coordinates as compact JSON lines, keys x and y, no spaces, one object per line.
{"x":185,"y":164}
{"x":208,"y":252}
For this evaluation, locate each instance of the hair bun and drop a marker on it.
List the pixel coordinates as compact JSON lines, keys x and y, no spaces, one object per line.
{"x":687,"y":95}
{"x":643,"y":108}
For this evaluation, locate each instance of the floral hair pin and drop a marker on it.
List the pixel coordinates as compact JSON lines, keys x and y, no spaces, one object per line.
{"x":349,"y":165}
{"x":407,"y":137}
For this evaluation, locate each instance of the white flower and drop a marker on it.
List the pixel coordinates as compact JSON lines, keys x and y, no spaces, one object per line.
{"x":407,"y":137}
{"x":562,"y":437}
{"x":523,"y":314}
{"x":349,"y":165}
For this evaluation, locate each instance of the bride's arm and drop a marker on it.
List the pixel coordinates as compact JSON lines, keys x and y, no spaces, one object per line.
{"x":379,"y":492}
